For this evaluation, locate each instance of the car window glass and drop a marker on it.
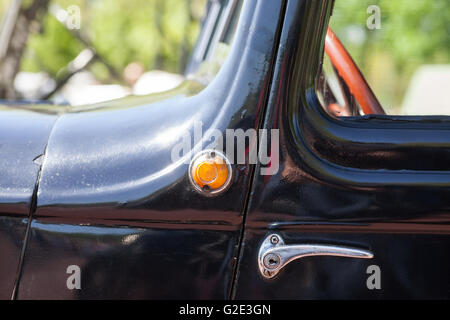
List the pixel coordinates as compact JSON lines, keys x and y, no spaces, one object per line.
{"x":81,"y":51}
{"x":220,"y":40}
{"x":402,"y":49}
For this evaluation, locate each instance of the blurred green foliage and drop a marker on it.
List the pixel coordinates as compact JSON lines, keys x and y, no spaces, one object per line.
{"x":413,"y":33}
{"x":160,"y":34}
{"x":156,"y":33}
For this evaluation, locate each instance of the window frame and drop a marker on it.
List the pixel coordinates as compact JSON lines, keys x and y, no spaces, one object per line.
{"x":365,"y":150}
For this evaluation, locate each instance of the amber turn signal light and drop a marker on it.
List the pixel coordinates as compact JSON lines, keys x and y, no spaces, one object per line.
{"x":210,"y":172}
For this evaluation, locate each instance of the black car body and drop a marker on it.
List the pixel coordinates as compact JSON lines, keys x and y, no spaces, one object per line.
{"x":95,"y":186}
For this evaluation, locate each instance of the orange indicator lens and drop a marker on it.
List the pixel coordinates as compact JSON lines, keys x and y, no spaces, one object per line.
{"x":210,"y":171}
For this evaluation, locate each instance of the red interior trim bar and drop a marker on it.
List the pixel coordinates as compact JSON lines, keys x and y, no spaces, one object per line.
{"x":354,"y":79}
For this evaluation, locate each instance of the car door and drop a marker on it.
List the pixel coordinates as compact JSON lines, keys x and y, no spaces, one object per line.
{"x":117,"y":217}
{"x":359,"y":207}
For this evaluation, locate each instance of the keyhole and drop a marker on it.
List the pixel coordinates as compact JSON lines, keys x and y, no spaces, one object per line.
{"x":271,"y":261}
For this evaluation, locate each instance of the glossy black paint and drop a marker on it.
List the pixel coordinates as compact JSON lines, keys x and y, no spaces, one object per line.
{"x":359,"y":182}
{"x":111,"y":200}
{"x":23,"y":137}
{"x":24,"y":133}
{"x":150,"y":261}
{"x":12,"y":235}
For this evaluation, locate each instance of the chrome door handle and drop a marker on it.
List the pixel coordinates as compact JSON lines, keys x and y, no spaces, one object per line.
{"x":274,"y":254}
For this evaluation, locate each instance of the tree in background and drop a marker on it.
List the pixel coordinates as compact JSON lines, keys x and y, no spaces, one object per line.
{"x":413,"y":33}
{"x":155,"y":33}
{"x":23,"y":18}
